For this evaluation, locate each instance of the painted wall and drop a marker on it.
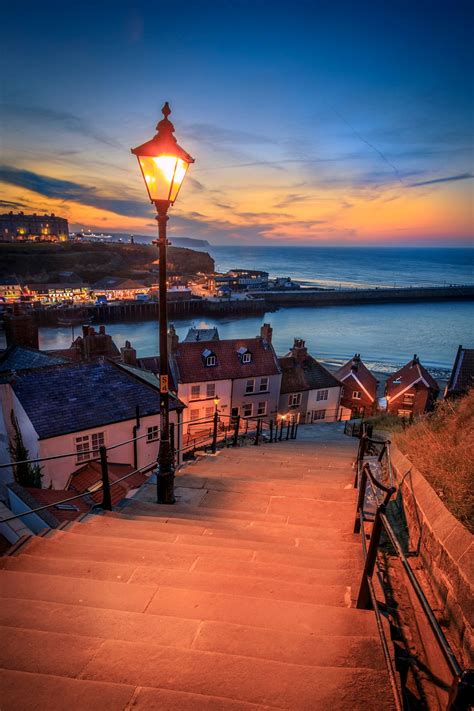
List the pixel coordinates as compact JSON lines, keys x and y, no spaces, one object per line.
{"x":301,"y":410}
{"x":271,"y":396}
{"x":223,"y":390}
{"x":331,"y":405}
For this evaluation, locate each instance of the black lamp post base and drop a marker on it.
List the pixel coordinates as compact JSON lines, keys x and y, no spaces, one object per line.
{"x":165,"y":488}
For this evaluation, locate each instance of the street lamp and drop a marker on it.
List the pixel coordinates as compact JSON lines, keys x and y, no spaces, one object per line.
{"x":163,"y":164}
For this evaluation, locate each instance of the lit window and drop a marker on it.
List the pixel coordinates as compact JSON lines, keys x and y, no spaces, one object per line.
{"x":408,"y":399}
{"x":294,"y":400}
{"x":194,"y":415}
{"x":152,"y":433}
{"x":195,"y":392}
{"x":263,"y":384}
{"x":210,"y":389}
{"x":249,"y":387}
{"x":322,"y":395}
{"x":319,"y":415}
{"x":356,"y":395}
{"x":247,"y":410}
{"x":86,"y":443}
{"x":262,"y":408}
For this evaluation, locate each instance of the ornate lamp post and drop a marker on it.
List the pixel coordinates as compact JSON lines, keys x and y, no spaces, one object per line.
{"x":163,"y":164}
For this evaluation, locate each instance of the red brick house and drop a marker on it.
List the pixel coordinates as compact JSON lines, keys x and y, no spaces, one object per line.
{"x":359,"y":388}
{"x":411,"y":390}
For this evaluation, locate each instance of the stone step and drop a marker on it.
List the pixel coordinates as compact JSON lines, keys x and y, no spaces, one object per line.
{"x":26,"y":691}
{"x":75,"y":591}
{"x":113,"y":534}
{"x":41,"y":692}
{"x":276,"y":684}
{"x":277,"y":645}
{"x":323,"y":594}
{"x":264,"y":613}
{"x":198,"y":513}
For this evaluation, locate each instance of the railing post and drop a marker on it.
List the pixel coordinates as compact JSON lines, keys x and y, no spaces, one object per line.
{"x":271,"y":431}
{"x":288,"y":430}
{"x":214,"y":433}
{"x":236,"y":431}
{"x":257,"y":433}
{"x":172,"y":438}
{"x":360,"y":499}
{"x":364,"y":601}
{"x":106,"y":500}
{"x":460,"y":695}
{"x":297,"y":424}
{"x":293,"y":425}
{"x":281,"y":430}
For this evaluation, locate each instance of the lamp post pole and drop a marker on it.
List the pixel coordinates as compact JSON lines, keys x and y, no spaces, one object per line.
{"x":165,"y":473}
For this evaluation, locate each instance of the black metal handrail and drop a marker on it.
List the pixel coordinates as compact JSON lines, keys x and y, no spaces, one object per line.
{"x":366,"y":598}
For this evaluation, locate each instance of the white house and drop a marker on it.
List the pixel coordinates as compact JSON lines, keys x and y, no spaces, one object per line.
{"x":307,"y":388}
{"x":77,"y":407}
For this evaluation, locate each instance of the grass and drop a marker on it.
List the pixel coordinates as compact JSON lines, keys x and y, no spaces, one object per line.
{"x":441,"y":446}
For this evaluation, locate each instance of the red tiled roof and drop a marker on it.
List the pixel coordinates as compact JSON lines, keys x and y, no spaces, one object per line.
{"x":411,"y":373}
{"x":191,"y":368}
{"x":89,"y":476}
{"x":360,"y":373}
{"x":43,"y":497}
{"x":304,"y":373}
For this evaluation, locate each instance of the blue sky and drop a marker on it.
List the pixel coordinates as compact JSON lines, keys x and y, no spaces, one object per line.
{"x":311,"y":122}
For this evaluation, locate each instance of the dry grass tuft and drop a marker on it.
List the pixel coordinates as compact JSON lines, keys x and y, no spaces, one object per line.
{"x":441,"y":446}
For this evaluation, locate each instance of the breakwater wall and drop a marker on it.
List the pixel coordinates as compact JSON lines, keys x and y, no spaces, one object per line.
{"x":317,"y":297}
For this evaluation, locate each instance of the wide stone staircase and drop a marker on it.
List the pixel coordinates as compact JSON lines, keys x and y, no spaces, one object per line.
{"x":241,"y":596}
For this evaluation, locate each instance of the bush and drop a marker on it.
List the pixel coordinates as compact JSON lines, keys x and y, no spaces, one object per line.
{"x":441,"y":446}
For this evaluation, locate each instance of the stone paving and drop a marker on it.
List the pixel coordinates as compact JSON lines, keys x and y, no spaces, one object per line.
{"x":238,"y":597}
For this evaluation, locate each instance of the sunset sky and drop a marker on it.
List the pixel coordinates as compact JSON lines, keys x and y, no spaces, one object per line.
{"x":310,"y":122}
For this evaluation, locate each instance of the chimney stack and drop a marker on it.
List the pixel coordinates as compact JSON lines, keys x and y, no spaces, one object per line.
{"x":173,"y":339}
{"x":355,"y":362}
{"x":299,"y":350}
{"x":266,"y":333}
{"x":129,"y":354}
{"x":20,"y":328}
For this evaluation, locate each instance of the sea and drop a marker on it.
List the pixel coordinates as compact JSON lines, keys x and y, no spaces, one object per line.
{"x":386,"y":335}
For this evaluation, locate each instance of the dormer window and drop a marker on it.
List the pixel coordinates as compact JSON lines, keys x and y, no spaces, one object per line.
{"x":244,"y":355}
{"x":209,"y":358}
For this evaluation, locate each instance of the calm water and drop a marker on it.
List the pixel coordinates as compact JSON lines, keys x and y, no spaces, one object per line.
{"x":386,"y":335}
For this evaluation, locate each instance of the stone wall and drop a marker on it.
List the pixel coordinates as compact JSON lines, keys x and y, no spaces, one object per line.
{"x":446,"y":550}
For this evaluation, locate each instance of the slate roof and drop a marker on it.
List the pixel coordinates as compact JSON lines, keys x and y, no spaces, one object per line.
{"x":356,"y":370}
{"x":304,"y":373}
{"x":82,"y":396}
{"x":89,"y":477}
{"x":22,"y":357}
{"x":412,"y":374}
{"x":53,"y":517}
{"x":462,"y":376}
{"x":190,"y":363}
{"x":117,"y":283}
{"x":202,"y":334}
{"x":150,"y":376}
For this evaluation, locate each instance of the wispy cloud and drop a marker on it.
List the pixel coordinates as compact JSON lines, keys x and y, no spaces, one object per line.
{"x":446,"y":179}
{"x":291,"y":199}
{"x":218,"y":136}
{"x":76,"y":192}
{"x":57,"y":119}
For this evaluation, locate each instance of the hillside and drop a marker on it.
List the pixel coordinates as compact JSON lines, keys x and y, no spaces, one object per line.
{"x":41,"y":262}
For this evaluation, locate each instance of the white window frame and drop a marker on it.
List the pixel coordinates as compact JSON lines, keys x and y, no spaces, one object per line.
{"x":322,"y":395}
{"x":92,"y":441}
{"x":245,"y":407}
{"x":194,"y":396}
{"x":262,"y":408}
{"x":264,"y":384}
{"x":246,"y":357}
{"x":194,"y":414}
{"x":210,"y":390}
{"x":211,"y":360}
{"x":294,"y":400}
{"x":250,"y":386}
{"x":357,"y":395}
{"x":408,"y":399}
{"x":153,"y":433}
{"x":318,"y":415}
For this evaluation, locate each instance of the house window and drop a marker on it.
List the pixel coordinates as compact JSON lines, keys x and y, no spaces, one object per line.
{"x":408,"y":399}
{"x":246,"y":358}
{"x":210,"y":360}
{"x":247,"y":410}
{"x":211,"y":390}
{"x":262,"y":408}
{"x":88,"y":442}
{"x":294,"y":400}
{"x":152,"y":433}
{"x":209,"y":412}
{"x":263,"y":384}
{"x":249,"y":387}
{"x":322,"y":395}
{"x":356,"y":395}
{"x":195,"y":392}
{"x":319,"y":415}
{"x":404,"y":413}
{"x":194,"y":415}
